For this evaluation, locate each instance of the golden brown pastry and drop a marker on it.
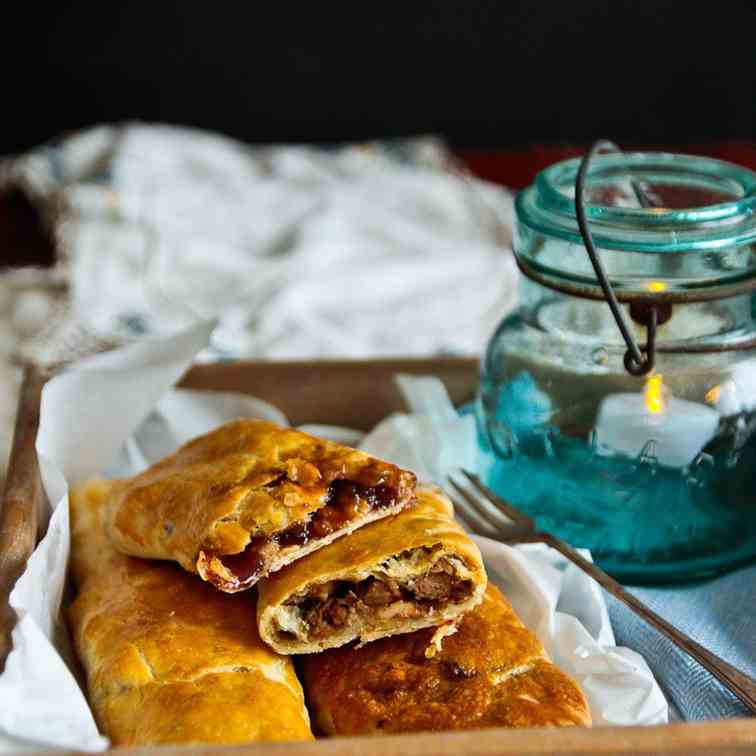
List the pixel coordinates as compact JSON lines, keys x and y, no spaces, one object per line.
{"x":492,"y":672}
{"x":250,"y":497}
{"x":168,"y":658}
{"x":415,"y":569}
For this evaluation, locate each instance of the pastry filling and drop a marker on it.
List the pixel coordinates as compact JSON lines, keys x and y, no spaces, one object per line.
{"x":345,"y":501}
{"x":328,"y":607}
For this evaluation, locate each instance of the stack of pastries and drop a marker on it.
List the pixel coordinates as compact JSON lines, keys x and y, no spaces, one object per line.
{"x":297,"y":550}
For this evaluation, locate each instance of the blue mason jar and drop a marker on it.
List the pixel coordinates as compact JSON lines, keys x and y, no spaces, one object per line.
{"x":655,"y":474}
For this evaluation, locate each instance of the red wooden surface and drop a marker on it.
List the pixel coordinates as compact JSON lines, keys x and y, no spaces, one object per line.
{"x":22,"y":241}
{"x":517,"y":167}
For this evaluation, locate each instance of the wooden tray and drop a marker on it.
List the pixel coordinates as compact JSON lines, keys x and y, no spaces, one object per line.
{"x":356,"y":394}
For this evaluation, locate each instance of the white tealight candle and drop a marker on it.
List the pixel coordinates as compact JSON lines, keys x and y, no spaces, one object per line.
{"x":679,"y":428}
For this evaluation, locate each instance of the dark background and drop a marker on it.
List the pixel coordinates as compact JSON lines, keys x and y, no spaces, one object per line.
{"x":485,"y":74}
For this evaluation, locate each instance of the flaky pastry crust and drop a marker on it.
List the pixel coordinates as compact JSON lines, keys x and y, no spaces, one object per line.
{"x":168,"y":658}
{"x":254,"y":489}
{"x":492,"y":672}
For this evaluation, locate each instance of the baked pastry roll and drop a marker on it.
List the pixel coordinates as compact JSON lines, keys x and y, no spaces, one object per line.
{"x":248,"y":498}
{"x":413,"y":570}
{"x":492,"y":672}
{"x":168,"y":658}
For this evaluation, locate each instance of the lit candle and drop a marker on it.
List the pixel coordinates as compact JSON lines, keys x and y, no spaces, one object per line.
{"x":679,"y":428}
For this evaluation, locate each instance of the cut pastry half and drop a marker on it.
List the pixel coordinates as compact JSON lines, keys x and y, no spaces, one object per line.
{"x":414,"y":570}
{"x":247,"y":499}
{"x":492,"y":672}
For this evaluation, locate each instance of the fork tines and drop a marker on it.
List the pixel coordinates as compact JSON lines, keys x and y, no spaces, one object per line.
{"x":486,"y":513}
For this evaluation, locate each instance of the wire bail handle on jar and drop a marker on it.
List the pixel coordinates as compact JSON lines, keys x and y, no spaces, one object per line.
{"x":639,"y":359}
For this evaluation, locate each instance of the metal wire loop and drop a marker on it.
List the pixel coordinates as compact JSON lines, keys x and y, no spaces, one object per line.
{"x":648,"y":351}
{"x":637,"y":362}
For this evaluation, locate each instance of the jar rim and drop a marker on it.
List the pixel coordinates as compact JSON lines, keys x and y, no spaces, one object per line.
{"x":546,"y":208}
{"x":672,"y":254}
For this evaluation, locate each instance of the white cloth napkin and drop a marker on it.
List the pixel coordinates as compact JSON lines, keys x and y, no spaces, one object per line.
{"x":301,"y":252}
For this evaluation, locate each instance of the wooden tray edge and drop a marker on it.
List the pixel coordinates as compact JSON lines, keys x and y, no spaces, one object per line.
{"x":724,"y":738}
{"x":21,"y":502}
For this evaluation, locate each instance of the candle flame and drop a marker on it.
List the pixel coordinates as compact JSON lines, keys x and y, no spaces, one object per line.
{"x":657,"y":286}
{"x":713,"y":394}
{"x":653,"y":394}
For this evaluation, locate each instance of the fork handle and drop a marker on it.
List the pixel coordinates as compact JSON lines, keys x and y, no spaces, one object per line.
{"x":740,"y":684}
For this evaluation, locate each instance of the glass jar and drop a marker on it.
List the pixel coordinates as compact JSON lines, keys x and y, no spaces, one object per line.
{"x":655,"y":474}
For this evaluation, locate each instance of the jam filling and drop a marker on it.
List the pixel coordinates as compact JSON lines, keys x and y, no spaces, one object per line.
{"x":345,"y":501}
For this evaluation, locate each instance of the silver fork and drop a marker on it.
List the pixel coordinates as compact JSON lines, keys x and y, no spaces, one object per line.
{"x":487,"y":514}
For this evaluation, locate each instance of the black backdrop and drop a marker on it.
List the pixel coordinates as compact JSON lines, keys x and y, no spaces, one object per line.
{"x":498,"y":73}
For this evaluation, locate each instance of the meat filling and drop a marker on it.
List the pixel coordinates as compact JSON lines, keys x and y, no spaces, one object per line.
{"x":327,"y":607}
{"x":345,"y":501}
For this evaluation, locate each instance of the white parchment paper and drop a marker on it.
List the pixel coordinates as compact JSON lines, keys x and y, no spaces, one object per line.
{"x":117,"y":413}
